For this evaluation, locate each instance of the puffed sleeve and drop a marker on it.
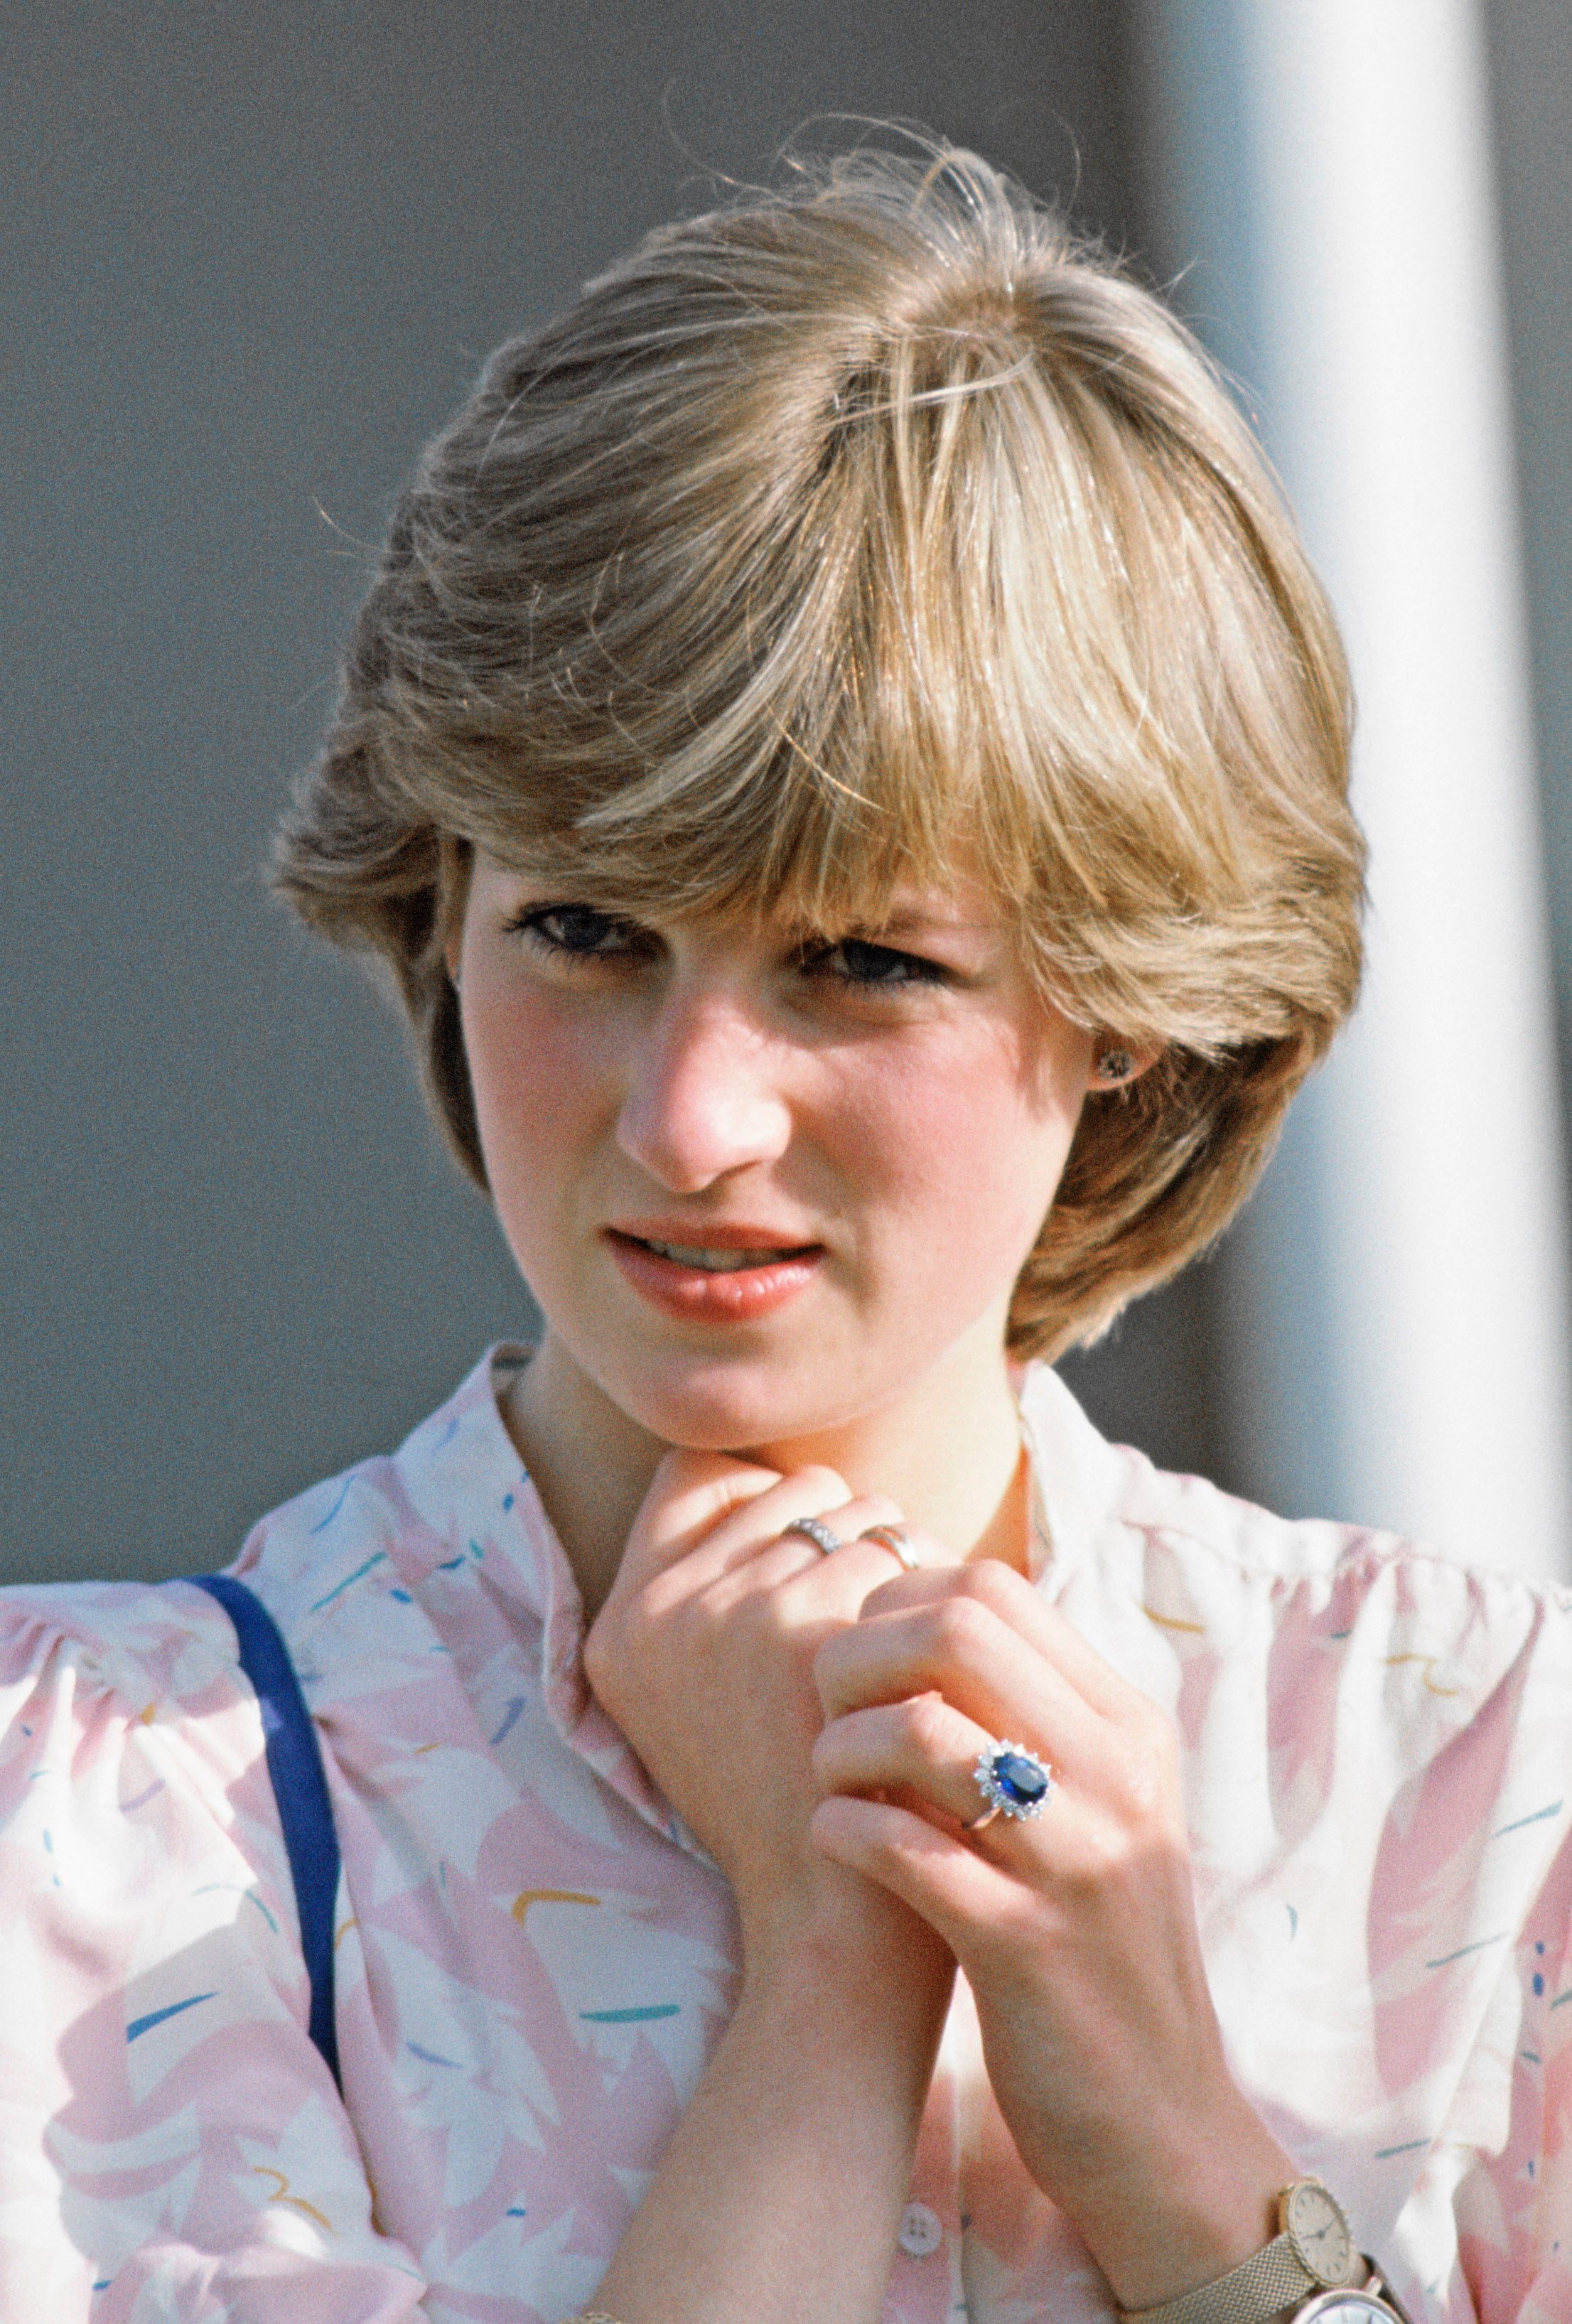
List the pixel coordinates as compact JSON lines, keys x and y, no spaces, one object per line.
{"x":1512,"y":2192}
{"x":172,"y":2145}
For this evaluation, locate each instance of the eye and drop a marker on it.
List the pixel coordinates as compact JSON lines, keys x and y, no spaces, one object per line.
{"x":574,"y":932}
{"x":856,"y":960}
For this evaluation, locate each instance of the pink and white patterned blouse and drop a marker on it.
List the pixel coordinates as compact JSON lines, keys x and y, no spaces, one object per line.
{"x":534,"y":1960}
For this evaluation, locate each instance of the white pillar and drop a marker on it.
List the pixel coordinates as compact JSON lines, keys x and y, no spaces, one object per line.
{"x":1402,"y":1286}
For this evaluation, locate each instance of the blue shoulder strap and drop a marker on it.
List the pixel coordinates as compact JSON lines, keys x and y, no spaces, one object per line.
{"x":300,"y":1786}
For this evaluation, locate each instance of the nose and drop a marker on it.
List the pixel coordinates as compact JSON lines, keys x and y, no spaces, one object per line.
{"x":704,"y":1095}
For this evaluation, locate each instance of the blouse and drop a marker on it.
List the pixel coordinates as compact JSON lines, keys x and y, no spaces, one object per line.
{"x":534,"y":1959}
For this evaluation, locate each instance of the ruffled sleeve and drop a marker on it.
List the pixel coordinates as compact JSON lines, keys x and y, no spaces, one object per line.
{"x":1486,"y":2232}
{"x":1511,"y":2185}
{"x":171,"y":2144}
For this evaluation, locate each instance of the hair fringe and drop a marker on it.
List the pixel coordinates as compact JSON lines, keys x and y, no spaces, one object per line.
{"x":852,"y":524}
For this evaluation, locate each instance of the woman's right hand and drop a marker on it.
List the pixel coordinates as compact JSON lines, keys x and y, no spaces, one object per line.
{"x":702,"y":1653}
{"x":778,"y":2194}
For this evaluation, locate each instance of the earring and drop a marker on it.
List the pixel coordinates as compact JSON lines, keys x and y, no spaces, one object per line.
{"x":1115,"y":1066}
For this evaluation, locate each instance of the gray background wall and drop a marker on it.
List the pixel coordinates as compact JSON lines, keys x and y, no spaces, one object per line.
{"x":253,"y":255}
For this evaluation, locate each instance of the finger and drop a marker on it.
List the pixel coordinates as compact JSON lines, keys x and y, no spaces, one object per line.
{"x":917,"y":1550}
{"x":846,"y":1519}
{"x":1022,"y":1605}
{"x":923,"y":1750}
{"x":714,"y":1530}
{"x":956,"y":1890}
{"x":690,"y":1494}
{"x":959,"y":1648}
{"x":858,"y":1566}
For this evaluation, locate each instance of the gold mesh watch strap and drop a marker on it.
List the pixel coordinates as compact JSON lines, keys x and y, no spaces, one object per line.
{"x":1272,"y":2279}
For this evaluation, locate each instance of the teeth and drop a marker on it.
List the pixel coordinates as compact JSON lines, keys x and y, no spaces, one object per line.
{"x":713,"y":1262}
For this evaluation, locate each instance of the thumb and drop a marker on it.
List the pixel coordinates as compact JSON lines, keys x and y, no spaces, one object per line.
{"x":690,"y":1494}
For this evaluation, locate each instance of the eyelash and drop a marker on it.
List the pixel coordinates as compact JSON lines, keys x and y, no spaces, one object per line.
{"x":914,"y":968}
{"x":533,"y":924}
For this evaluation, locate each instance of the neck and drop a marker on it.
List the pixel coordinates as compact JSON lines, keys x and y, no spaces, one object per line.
{"x":947,"y":1451}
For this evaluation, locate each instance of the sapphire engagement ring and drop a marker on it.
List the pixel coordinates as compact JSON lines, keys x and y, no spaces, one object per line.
{"x":1013,"y":1781}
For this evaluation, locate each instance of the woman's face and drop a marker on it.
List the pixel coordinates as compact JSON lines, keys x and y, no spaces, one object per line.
{"x":761,"y":1185}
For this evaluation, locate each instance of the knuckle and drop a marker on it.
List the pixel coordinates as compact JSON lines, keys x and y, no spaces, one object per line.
{"x":1152,"y":1723}
{"x":1157,"y":1747}
{"x":990,"y":1582}
{"x":961,"y":1626}
{"x":1103,"y":1859}
{"x":1133,"y":1786}
{"x":818,"y":1478}
{"x":923,"y":1722}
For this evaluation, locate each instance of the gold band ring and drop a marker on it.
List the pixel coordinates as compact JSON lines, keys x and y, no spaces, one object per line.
{"x":892,"y":1538}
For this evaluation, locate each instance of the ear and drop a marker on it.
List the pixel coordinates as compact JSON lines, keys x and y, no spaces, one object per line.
{"x":1114,"y":1067}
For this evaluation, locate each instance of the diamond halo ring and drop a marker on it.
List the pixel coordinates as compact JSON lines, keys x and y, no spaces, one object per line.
{"x":1013,"y":1781}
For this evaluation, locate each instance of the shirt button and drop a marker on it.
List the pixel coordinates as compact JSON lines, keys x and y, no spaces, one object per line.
{"x":920,"y":2231}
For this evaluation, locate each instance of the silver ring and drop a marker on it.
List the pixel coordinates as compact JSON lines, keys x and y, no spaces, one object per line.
{"x":815,"y":1530}
{"x":892,"y":1538}
{"x":1013,"y":1781}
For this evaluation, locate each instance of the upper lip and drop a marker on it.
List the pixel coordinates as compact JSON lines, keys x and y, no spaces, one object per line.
{"x":700,"y":1234}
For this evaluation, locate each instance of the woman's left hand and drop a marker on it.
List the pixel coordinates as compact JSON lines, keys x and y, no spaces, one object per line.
{"x":1075,"y":1929}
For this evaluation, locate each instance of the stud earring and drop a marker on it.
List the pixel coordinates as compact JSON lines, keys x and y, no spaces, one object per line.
{"x":1115,"y":1066}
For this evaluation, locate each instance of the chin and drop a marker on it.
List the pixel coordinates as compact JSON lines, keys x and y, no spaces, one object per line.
{"x":727,"y":1408}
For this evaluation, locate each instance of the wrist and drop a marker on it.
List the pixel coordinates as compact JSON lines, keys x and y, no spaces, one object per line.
{"x":844,"y":1932}
{"x":827,"y":1963}
{"x":1202,"y":2202}
{"x":1310,"y":2269}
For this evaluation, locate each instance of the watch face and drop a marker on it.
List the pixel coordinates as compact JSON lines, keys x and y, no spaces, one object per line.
{"x":1346,"y":2308}
{"x":1318,"y":2231}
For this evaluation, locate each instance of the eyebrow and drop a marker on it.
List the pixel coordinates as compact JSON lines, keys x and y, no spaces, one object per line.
{"x":900,"y":927}
{"x":915,"y":923}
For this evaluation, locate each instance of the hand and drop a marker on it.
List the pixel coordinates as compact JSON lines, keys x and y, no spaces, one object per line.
{"x":1076,"y":1930}
{"x":778,"y":2194}
{"x":703,"y":1653}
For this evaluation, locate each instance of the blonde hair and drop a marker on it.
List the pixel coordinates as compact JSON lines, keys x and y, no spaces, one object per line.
{"x":825,"y":534}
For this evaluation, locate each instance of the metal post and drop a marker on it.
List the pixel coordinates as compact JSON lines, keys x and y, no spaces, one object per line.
{"x":1398,"y":1294}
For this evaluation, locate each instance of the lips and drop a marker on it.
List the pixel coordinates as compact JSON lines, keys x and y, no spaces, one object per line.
{"x":716,"y":1275}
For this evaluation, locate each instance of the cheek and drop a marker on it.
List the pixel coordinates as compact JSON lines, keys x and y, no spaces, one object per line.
{"x":969,"y":1140}
{"x":538,"y":1082}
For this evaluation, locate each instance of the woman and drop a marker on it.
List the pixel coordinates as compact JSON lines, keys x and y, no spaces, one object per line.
{"x":847,"y":765}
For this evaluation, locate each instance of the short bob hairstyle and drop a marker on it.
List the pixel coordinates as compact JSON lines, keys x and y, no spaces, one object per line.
{"x":848,"y":533}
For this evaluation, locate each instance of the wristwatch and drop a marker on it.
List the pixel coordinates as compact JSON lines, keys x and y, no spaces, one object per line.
{"x":1310,"y":2271}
